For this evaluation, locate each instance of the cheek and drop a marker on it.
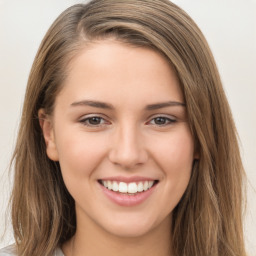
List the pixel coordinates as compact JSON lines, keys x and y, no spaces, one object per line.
{"x":175,"y":157}
{"x":175,"y":153}
{"x":79,"y":153}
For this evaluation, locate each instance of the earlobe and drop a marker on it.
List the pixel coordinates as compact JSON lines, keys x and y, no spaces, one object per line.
{"x":48,"y":133}
{"x":196,"y":151}
{"x":196,"y":156}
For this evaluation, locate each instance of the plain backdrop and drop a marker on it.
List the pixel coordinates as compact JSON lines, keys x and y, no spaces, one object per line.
{"x":230,"y":28}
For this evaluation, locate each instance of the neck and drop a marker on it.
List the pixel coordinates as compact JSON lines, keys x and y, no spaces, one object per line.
{"x":90,"y":239}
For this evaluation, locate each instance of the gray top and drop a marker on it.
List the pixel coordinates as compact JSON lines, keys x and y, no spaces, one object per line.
{"x":10,"y":251}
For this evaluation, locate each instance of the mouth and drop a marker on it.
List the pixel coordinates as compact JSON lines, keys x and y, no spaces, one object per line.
{"x":128,"y":188}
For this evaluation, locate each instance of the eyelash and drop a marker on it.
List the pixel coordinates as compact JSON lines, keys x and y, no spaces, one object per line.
{"x":166,"y":120}
{"x":86,"y":121}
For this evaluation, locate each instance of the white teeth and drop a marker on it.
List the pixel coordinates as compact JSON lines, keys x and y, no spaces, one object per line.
{"x":109,"y":185}
{"x":140,"y":187}
{"x":122,"y":187}
{"x":145,"y":185}
{"x":131,"y":188}
{"x":115,"y":186}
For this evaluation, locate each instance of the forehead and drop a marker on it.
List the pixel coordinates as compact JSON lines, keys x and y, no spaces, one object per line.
{"x":114,"y":71}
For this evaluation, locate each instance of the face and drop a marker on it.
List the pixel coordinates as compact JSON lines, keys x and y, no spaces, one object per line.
{"x":119,"y":131}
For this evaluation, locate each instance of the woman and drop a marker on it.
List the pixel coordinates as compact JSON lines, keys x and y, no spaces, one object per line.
{"x":126,"y":143}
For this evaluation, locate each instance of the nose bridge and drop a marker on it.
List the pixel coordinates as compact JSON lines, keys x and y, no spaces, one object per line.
{"x":128,"y":149}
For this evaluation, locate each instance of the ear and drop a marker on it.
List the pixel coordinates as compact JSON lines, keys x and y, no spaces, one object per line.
{"x":196,"y":156}
{"x":48,"y":133}
{"x":196,"y":152}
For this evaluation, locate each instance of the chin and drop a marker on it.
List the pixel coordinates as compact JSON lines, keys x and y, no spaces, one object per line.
{"x":132,"y":227}
{"x":125,"y":231}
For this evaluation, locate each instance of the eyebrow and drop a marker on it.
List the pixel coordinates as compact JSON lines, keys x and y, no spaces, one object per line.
{"x":91,"y":103}
{"x":164,"y":105}
{"x":99,"y":104}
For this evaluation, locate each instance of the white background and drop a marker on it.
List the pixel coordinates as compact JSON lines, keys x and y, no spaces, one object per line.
{"x":230,"y":28}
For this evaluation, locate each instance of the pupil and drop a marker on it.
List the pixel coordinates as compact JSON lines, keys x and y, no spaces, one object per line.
{"x":94,"y":120}
{"x":160,"y":120}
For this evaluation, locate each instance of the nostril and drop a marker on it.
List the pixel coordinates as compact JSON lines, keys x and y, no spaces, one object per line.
{"x":128,"y":154}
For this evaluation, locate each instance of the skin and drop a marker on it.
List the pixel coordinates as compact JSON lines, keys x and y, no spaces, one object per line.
{"x":127,"y":141}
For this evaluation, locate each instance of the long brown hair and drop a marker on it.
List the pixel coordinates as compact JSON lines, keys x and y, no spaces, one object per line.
{"x":208,"y":219}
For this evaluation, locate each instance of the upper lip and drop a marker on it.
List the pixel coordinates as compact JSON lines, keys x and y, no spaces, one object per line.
{"x":128,"y":179}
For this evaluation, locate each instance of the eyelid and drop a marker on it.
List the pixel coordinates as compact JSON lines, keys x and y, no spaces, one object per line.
{"x":171,"y":119}
{"x":85,"y":118}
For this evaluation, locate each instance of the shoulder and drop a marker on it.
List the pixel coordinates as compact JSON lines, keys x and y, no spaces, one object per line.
{"x":10,"y":251}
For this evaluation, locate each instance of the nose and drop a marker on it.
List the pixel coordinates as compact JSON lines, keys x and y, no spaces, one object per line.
{"x":127,"y":148}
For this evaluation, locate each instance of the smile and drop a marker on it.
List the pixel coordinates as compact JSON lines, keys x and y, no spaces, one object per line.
{"x":127,"y":188}
{"x":125,"y":191}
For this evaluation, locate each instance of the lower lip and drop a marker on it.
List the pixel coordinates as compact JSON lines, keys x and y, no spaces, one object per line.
{"x":125,"y":199}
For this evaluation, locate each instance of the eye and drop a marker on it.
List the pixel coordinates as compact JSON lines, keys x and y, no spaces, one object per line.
{"x":94,"y":121}
{"x":162,"y":121}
